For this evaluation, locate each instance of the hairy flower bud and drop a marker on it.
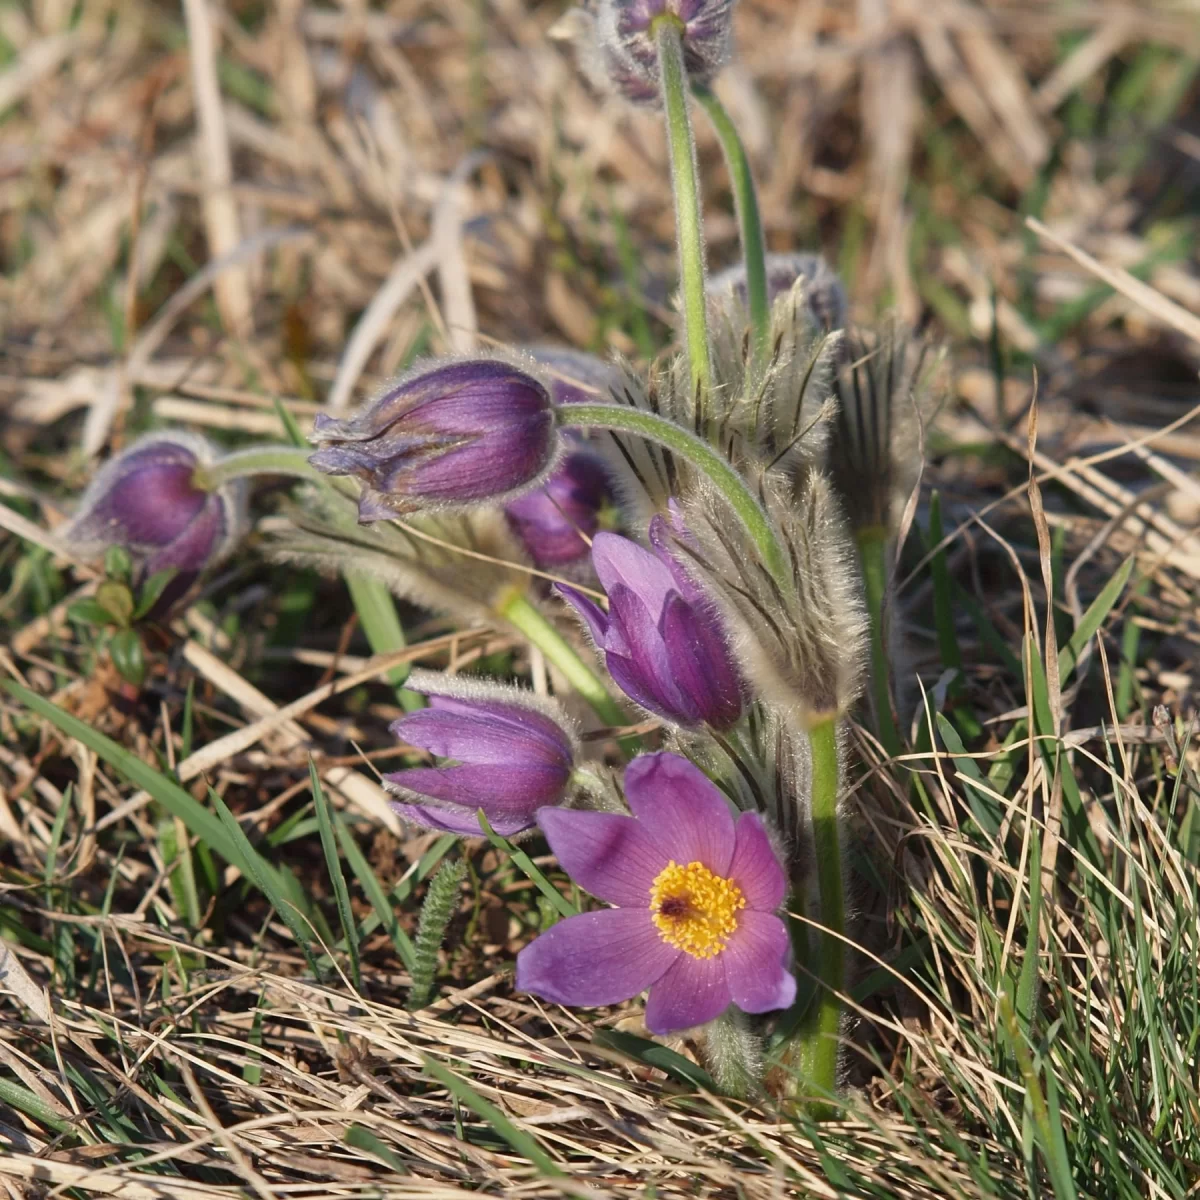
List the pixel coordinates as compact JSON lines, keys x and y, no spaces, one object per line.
{"x":556,"y":521}
{"x":144,"y":500}
{"x":452,"y":434}
{"x":802,"y":652}
{"x":616,"y":42}
{"x":512,"y":753}
{"x":887,"y":393}
{"x":662,"y":638}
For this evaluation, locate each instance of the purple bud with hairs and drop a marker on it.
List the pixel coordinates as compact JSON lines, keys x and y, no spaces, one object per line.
{"x":145,"y":501}
{"x":449,"y":435}
{"x":662,"y":639}
{"x":556,"y":521}
{"x":627,"y":31}
{"x":511,"y":753}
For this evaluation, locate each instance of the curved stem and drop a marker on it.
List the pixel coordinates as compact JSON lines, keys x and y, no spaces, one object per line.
{"x":745,"y":199}
{"x":704,"y":458}
{"x":872,"y":551}
{"x":817,"y":1036}
{"x":685,"y":185}
{"x":258,"y":460}
{"x":514,"y":606}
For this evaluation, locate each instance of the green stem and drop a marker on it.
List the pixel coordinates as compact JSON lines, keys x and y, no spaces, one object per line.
{"x":745,"y":199}
{"x":872,"y":551}
{"x":685,"y":184}
{"x":515,"y":608}
{"x":259,"y":460}
{"x":714,"y":466}
{"x":385,"y":635}
{"x":817,"y":1036}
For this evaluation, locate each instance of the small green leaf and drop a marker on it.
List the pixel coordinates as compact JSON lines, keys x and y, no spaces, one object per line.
{"x":523,"y":1143}
{"x":334,"y":863}
{"x":89,"y":611}
{"x":125,"y":649}
{"x":117,"y":600}
{"x":525,"y":864}
{"x":117,"y":564}
{"x":361,"y":1138}
{"x":152,"y":590}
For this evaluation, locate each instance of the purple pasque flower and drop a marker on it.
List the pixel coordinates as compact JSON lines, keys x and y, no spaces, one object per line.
{"x":145,"y":501}
{"x":451,"y":434}
{"x":695,"y":896}
{"x":662,"y":638}
{"x":512,"y":753}
{"x":555,"y":520}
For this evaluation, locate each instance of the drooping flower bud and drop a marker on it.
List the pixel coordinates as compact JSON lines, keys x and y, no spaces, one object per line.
{"x":512,"y":753}
{"x":616,"y":42}
{"x":144,"y":500}
{"x":556,"y":521}
{"x":448,"y":435}
{"x":662,"y":637}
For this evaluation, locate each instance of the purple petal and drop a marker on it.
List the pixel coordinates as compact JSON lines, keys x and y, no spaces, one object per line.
{"x":620,"y":561}
{"x":195,"y":545}
{"x":703,"y":682}
{"x":754,"y":964}
{"x":462,"y":821}
{"x":681,"y":809}
{"x":479,"y":732}
{"x":595,"y":617}
{"x":607,"y":854}
{"x":755,"y":867}
{"x":595,"y":958}
{"x":495,"y":789}
{"x":634,"y":635}
{"x":691,"y":993}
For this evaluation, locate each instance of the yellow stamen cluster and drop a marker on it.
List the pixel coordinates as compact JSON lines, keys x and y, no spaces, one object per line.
{"x":695,"y":910}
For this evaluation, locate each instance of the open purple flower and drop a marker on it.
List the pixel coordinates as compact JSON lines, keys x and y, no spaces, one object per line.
{"x":662,"y":638}
{"x":456,"y":433}
{"x":144,"y":500}
{"x":695,"y":898}
{"x":554,"y":520}
{"x":512,"y":754}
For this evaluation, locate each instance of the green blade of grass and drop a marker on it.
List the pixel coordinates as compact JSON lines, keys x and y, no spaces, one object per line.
{"x":526,"y":865}
{"x":360,"y":1138}
{"x":522,"y":1143}
{"x":374,"y":892}
{"x":334,"y":863}
{"x":262,"y":878}
{"x":1093,"y":618}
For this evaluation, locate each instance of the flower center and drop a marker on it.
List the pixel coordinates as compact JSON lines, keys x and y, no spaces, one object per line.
{"x":695,"y":910}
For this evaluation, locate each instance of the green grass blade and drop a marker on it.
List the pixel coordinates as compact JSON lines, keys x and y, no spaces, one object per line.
{"x":1090,"y":622}
{"x":374,"y":892}
{"x":522,"y":1143}
{"x":943,"y":600}
{"x":261,"y":876}
{"x":334,"y":863}
{"x":381,"y":623}
{"x":526,"y":865}
{"x":360,"y":1138}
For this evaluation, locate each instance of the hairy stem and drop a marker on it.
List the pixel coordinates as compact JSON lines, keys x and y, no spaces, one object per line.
{"x":745,"y":199}
{"x":709,"y":462}
{"x":686,"y":186}
{"x":872,"y":552}
{"x":514,"y":606}
{"x":817,"y":1036}
{"x":258,"y":460}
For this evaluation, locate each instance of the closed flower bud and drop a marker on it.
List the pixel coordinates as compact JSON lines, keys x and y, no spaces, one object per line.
{"x":144,"y":501}
{"x":511,"y":753}
{"x":662,"y":638}
{"x":802,"y":653}
{"x":449,"y":435}
{"x":886,"y":391}
{"x":557,"y":521}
